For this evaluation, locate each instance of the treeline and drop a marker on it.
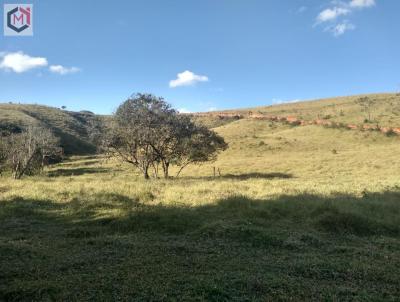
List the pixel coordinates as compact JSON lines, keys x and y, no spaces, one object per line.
{"x":145,"y":132}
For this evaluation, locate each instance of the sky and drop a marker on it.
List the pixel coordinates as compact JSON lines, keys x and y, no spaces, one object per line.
{"x":200,"y":55}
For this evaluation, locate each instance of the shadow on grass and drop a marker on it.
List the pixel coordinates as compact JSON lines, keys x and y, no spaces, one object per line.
{"x":341,"y":214}
{"x":258,"y":175}
{"x":245,"y":176}
{"x":76,"y":171}
{"x":85,"y":163}
{"x":79,"y":244}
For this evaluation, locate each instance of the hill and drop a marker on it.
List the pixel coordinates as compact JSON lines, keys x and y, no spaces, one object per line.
{"x":372,"y":112}
{"x":73,"y":128}
{"x":381,"y":110}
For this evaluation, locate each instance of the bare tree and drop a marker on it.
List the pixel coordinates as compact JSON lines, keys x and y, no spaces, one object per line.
{"x":28,"y":151}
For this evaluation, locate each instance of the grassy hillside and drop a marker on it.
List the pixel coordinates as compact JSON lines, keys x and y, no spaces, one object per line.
{"x":298,"y":214}
{"x":70,"y":127}
{"x":384,"y":110}
{"x":73,"y":127}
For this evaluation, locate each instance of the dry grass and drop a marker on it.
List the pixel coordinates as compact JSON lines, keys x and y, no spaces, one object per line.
{"x":303,"y":213}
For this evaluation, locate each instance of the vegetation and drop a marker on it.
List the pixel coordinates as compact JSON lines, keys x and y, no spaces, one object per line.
{"x":3,"y":154}
{"x":297,"y":214}
{"x":71,"y":128}
{"x":29,"y":151}
{"x":384,"y":107}
{"x":147,"y":132}
{"x":366,"y":104}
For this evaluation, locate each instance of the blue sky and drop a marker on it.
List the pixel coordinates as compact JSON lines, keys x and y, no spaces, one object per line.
{"x":201,"y":55}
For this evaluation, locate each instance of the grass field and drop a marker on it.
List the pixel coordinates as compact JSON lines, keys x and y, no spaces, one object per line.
{"x":298,"y":214}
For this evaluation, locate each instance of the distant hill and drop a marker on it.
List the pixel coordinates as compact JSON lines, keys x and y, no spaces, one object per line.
{"x":73,"y":128}
{"x":375,"y":109}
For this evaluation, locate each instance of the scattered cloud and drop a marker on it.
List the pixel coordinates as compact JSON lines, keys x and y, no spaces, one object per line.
{"x":212,"y":109}
{"x":362,"y":3}
{"x":341,"y":28}
{"x":331,"y":14}
{"x":20,"y":62}
{"x":335,"y":14}
{"x":279,"y":101}
{"x":63,"y":70}
{"x":184,"y":110}
{"x":187,"y":78}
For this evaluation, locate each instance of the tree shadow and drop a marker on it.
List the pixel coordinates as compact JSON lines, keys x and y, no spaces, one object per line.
{"x":76,"y":172}
{"x":370,"y":214}
{"x":244,"y":176}
{"x":89,"y":162}
{"x":100,"y":232}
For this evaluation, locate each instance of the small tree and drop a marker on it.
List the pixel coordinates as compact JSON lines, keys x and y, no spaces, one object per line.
{"x":366,"y":103}
{"x":133,"y":131}
{"x":27,"y":151}
{"x":147,"y":132}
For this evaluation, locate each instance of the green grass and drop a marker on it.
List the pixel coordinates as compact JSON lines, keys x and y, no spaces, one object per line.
{"x":288,"y":220}
{"x":302,"y":247}
{"x":70,"y":127}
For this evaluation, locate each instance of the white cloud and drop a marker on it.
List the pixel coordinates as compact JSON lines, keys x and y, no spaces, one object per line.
{"x":341,"y":28}
{"x":280,"y":102}
{"x":212,"y":109}
{"x":331,"y":14}
{"x":187,"y":78}
{"x":20,"y":62}
{"x":339,"y":10}
{"x":184,"y":110}
{"x":63,"y":70}
{"x":362,"y":3}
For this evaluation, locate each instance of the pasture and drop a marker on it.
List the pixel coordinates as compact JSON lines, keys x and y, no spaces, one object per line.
{"x":298,"y":213}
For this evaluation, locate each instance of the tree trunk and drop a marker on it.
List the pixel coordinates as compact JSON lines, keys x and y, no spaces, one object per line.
{"x":155,"y":167}
{"x":146,"y":172}
{"x":181,"y":168}
{"x":16,"y":174}
{"x":165,"y":166}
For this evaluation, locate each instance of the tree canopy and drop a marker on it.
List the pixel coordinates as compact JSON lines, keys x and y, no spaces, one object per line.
{"x":147,"y":133}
